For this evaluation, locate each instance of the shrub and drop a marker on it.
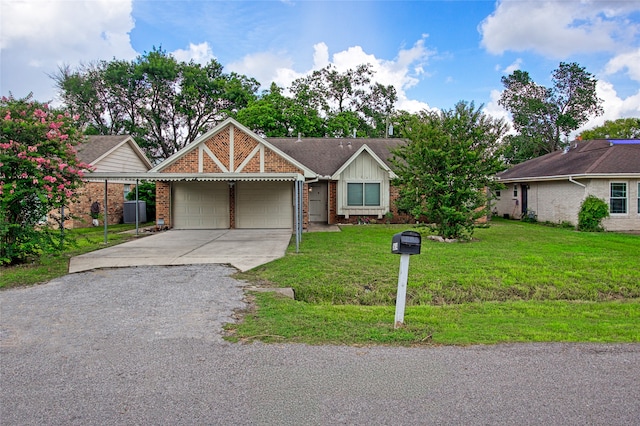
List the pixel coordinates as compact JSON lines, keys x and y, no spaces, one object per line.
{"x":592,"y":211}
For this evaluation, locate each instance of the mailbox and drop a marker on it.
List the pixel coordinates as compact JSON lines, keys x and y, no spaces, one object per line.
{"x":407,"y":242}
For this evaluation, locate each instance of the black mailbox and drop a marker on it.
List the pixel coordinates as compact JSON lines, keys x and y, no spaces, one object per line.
{"x":407,"y":242}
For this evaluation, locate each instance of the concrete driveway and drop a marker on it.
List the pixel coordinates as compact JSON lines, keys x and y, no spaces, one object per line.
{"x":243,"y":249}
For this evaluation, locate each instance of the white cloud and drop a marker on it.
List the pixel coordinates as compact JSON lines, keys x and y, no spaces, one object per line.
{"x":513,"y":67}
{"x":403,"y":72}
{"x":559,"y":28}
{"x":629,"y":61}
{"x":198,"y":53}
{"x":38,"y":36}
{"x":614,"y":106}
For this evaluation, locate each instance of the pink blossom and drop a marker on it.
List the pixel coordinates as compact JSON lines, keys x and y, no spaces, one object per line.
{"x":24,"y":175}
{"x":49,"y":179}
{"x":64,"y":137}
{"x":32,"y":148}
{"x":8,"y":116}
{"x":47,"y":187}
{"x":61,"y":166}
{"x":35,"y":181}
{"x":60,"y":187}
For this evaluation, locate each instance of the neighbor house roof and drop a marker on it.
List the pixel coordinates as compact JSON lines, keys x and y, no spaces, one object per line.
{"x":325,"y":156}
{"x":581,"y":159}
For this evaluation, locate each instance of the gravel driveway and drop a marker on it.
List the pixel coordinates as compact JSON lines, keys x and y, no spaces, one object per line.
{"x":143,"y":346}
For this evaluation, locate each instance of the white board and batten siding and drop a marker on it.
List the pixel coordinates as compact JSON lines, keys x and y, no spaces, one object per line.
{"x":123,"y":159}
{"x":364,"y":168}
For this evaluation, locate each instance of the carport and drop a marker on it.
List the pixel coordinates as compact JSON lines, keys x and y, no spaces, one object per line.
{"x":208,"y":201}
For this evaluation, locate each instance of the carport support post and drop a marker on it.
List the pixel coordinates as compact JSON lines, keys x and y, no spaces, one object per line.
{"x":402,"y":290}
{"x":105,"y":211}
{"x":137,"y":219}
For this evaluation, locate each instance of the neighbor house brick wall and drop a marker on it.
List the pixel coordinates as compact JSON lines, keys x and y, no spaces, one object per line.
{"x":94,"y":191}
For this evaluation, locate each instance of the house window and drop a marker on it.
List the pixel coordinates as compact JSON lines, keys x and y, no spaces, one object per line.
{"x":515,"y":191}
{"x":497,"y":194}
{"x":127,"y":190}
{"x":618,"y":198}
{"x":638,"y":193}
{"x":363,"y":194}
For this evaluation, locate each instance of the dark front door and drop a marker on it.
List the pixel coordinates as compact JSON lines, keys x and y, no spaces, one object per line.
{"x":524,"y":202}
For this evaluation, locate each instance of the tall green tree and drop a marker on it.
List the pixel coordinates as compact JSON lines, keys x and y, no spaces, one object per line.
{"x":622,"y":128}
{"x":163,"y":103}
{"x":39,"y":172}
{"x":348,"y":100}
{"x":446,"y":165}
{"x":541,"y":115}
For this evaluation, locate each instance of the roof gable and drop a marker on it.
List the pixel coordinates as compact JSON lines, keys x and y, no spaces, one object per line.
{"x":218,"y":151}
{"x":363,"y":148}
{"x":594,"y":157}
{"x":98,"y":148}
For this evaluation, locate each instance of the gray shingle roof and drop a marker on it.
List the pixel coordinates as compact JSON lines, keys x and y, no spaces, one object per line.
{"x":326,"y":155}
{"x":598,"y":156}
{"x":95,"y":146}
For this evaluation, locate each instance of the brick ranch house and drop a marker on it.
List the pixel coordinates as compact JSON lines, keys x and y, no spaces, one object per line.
{"x":552,"y":187}
{"x":231,"y":177}
{"x":107,"y":154}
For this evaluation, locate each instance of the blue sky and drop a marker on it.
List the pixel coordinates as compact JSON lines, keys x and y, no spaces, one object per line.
{"x":435,"y":52}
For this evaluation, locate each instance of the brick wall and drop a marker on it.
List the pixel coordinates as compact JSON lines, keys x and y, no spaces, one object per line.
{"x":163,"y":203}
{"x":94,"y":191}
{"x":188,"y":163}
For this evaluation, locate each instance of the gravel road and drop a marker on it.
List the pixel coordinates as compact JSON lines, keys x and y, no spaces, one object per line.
{"x":143,"y":346}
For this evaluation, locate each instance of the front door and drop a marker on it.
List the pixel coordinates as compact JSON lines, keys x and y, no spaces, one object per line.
{"x":525,"y":203}
{"x":318,"y":207}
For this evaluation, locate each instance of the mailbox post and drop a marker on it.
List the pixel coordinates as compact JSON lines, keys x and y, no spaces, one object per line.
{"x":405,"y":244}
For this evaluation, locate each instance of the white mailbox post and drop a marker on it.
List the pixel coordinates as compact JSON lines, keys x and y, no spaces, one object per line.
{"x":405,"y":244}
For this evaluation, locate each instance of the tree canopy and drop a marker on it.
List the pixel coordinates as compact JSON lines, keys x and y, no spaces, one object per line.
{"x":622,"y":128}
{"x":541,"y":115}
{"x":326,"y":103}
{"x":446,"y":165}
{"x":39,"y":172}
{"x":164,"y":104}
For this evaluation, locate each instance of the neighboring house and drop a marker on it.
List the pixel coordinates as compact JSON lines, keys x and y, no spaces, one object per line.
{"x":551,"y":188}
{"x":106,"y":154}
{"x":232,"y":178}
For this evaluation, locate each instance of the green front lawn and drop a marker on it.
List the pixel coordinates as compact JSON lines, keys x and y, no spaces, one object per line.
{"x":516,"y":282}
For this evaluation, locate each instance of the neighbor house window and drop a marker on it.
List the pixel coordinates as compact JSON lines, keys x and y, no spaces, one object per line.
{"x":497,"y":194}
{"x":638,"y":193}
{"x":515,"y":191}
{"x":363,"y":194}
{"x":618,"y":198}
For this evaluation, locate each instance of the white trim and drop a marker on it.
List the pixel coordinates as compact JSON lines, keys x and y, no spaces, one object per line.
{"x":572,"y":176}
{"x":249,"y":158}
{"x":215,"y":159}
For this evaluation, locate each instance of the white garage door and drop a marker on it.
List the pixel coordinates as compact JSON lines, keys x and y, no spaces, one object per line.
{"x":201,"y":205}
{"x":264,"y":205}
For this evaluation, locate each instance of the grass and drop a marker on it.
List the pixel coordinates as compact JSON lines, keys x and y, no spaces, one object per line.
{"x":517,"y":282}
{"x":48,"y":267}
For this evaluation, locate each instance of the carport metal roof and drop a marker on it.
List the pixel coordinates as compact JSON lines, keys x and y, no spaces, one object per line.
{"x":212,"y":177}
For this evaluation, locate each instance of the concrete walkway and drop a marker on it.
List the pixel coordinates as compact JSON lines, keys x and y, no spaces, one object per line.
{"x":243,"y":249}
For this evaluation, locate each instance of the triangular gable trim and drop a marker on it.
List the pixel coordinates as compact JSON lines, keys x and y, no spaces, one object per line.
{"x":308,"y":173}
{"x":134,"y":146}
{"x":336,"y":175}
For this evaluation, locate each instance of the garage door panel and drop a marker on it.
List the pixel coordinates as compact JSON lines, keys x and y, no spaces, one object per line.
{"x":264,"y":205}
{"x":201,"y":205}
